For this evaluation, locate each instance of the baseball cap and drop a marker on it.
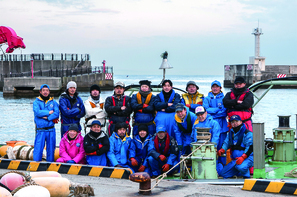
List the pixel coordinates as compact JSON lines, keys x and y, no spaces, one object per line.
{"x":200,"y":110}
{"x":119,"y":83}
{"x":216,"y":83}
{"x":179,"y":107}
{"x":235,"y":117}
{"x":160,"y":128}
{"x":96,"y":122}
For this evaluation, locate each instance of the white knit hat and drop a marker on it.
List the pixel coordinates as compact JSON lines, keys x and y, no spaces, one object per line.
{"x":71,"y":84}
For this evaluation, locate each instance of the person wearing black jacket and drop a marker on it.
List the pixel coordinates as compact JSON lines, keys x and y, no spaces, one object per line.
{"x":239,"y":101}
{"x":96,"y":145}
{"x":118,"y":107}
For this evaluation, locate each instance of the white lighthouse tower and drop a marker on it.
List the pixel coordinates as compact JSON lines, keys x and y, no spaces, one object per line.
{"x":257,"y":59}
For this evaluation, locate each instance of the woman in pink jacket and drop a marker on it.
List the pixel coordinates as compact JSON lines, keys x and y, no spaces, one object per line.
{"x":71,"y":147}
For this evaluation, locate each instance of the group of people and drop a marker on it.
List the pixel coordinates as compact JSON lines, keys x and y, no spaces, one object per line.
{"x":164,"y":126}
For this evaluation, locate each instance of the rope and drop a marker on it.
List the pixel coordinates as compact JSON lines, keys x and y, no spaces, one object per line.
{"x":22,"y":186}
{"x":80,"y":190}
{"x":162,"y":176}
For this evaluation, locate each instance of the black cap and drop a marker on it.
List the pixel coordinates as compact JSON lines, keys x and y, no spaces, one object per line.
{"x":120,"y":125}
{"x":73,"y":127}
{"x":167,"y":80}
{"x":142,"y":127}
{"x":239,"y":80}
{"x":95,"y":87}
{"x":145,"y":82}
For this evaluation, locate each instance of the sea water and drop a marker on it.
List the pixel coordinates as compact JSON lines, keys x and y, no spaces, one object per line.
{"x":17,"y":117}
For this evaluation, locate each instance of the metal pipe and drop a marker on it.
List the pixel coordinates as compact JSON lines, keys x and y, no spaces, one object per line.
{"x":201,"y":158}
{"x":261,"y":95}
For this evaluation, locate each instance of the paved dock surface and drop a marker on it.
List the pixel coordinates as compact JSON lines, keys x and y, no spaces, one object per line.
{"x":122,"y":187}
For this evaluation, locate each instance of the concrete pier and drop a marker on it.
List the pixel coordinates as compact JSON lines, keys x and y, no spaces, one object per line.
{"x":30,"y":86}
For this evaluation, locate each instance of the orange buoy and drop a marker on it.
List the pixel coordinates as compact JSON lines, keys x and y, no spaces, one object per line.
{"x":57,"y":153}
{"x":4,"y":192}
{"x":3,"y":150}
{"x":12,"y":180}
{"x":11,"y":143}
{"x":20,"y":143}
{"x":45,"y":174}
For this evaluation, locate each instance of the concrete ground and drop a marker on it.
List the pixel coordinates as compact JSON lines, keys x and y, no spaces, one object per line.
{"x":122,"y":187}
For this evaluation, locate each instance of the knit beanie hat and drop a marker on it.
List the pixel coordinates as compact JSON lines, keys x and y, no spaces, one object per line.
{"x":95,"y":87}
{"x":71,"y":84}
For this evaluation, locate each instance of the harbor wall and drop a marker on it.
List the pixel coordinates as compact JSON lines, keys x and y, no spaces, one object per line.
{"x":252,"y":73}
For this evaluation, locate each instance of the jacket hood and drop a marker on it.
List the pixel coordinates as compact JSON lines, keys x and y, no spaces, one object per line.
{"x":220,"y":95}
{"x":40,"y":99}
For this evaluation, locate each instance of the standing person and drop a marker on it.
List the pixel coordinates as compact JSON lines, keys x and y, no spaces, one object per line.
{"x":96,"y":145}
{"x":163,"y":152}
{"x":213,"y":104}
{"x":118,"y":107}
{"x":94,"y":107}
{"x":205,"y":120}
{"x":71,"y":147}
{"x":240,"y":140}
{"x":71,"y":107}
{"x":46,"y":112}
{"x":239,"y":101}
{"x":184,"y":121}
{"x":122,"y":150}
{"x":193,"y":98}
{"x":165,"y":104}
{"x":142,"y":104}
{"x":141,"y":142}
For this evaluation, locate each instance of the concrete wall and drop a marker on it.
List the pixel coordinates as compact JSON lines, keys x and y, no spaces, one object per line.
{"x":235,"y":71}
{"x":84,"y":82}
{"x":11,"y":85}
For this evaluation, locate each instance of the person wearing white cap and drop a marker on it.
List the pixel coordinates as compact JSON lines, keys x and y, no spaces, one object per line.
{"x":71,"y":107}
{"x":205,"y":120}
{"x":118,"y":107}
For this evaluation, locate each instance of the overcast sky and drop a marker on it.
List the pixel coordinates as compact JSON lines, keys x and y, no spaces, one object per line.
{"x":201,"y":36}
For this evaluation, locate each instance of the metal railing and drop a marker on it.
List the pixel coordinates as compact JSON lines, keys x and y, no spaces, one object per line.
{"x":67,"y":72}
{"x":44,"y":56}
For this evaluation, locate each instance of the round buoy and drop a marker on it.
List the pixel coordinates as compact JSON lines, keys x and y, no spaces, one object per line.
{"x":57,"y":153}
{"x":21,"y":143}
{"x":12,"y":180}
{"x":3,"y":150}
{"x":32,"y":191}
{"x":11,"y":143}
{"x":4,"y":192}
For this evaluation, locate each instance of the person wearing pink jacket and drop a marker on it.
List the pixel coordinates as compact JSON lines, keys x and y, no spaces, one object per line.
{"x":71,"y":147}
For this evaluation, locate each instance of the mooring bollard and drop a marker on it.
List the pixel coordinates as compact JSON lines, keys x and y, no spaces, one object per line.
{"x":144,"y":180}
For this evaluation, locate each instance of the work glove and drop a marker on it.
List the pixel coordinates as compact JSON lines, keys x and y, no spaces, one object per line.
{"x":180,"y":147}
{"x":140,"y":110}
{"x":70,"y":161}
{"x":141,"y":168}
{"x":56,"y":120}
{"x":241,"y":159}
{"x":162,"y":157}
{"x":93,"y":153}
{"x":188,"y":105}
{"x":119,"y":166}
{"x":134,"y":162}
{"x":145,"y":105}
{"x":165,"y":167}
{"x":220,"y":152}
{"x":100,"y":146}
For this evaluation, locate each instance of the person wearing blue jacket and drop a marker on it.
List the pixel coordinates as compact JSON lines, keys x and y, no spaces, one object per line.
{"x":184,"y":121}
{"x":165,"y":104}
{"x":163,"y":152}
{"x":46,"y":112}
{"x":71,"y":107}
{"x":142,"y":103}
{"x":240,"y":140}
{"x":122,"y":150}
{"x":141,"y":142}
{"x":213,"y":104}
{"x":205,"y":120}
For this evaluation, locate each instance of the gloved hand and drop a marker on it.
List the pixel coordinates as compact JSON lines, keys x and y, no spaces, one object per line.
{"x":165,"y":167}
{"x":100,"y":146}
{"x":56,"y":120}
{"x":141,"y":168}
{"x":220,"y":152}
{"x":119,"y":166}
{"x":188,"y":105}
{"x":70,"y":161}
{"x":144,"y":105}
{"x":180,"y":147}
{"x":134,"y":162}
{"x":162,"y":157}
{"x":93,"y":153}
{"x":140,"y":110}
{"x":241,"y":159}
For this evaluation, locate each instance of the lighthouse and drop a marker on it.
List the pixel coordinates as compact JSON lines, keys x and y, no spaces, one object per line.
{"x":257,"y":60}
